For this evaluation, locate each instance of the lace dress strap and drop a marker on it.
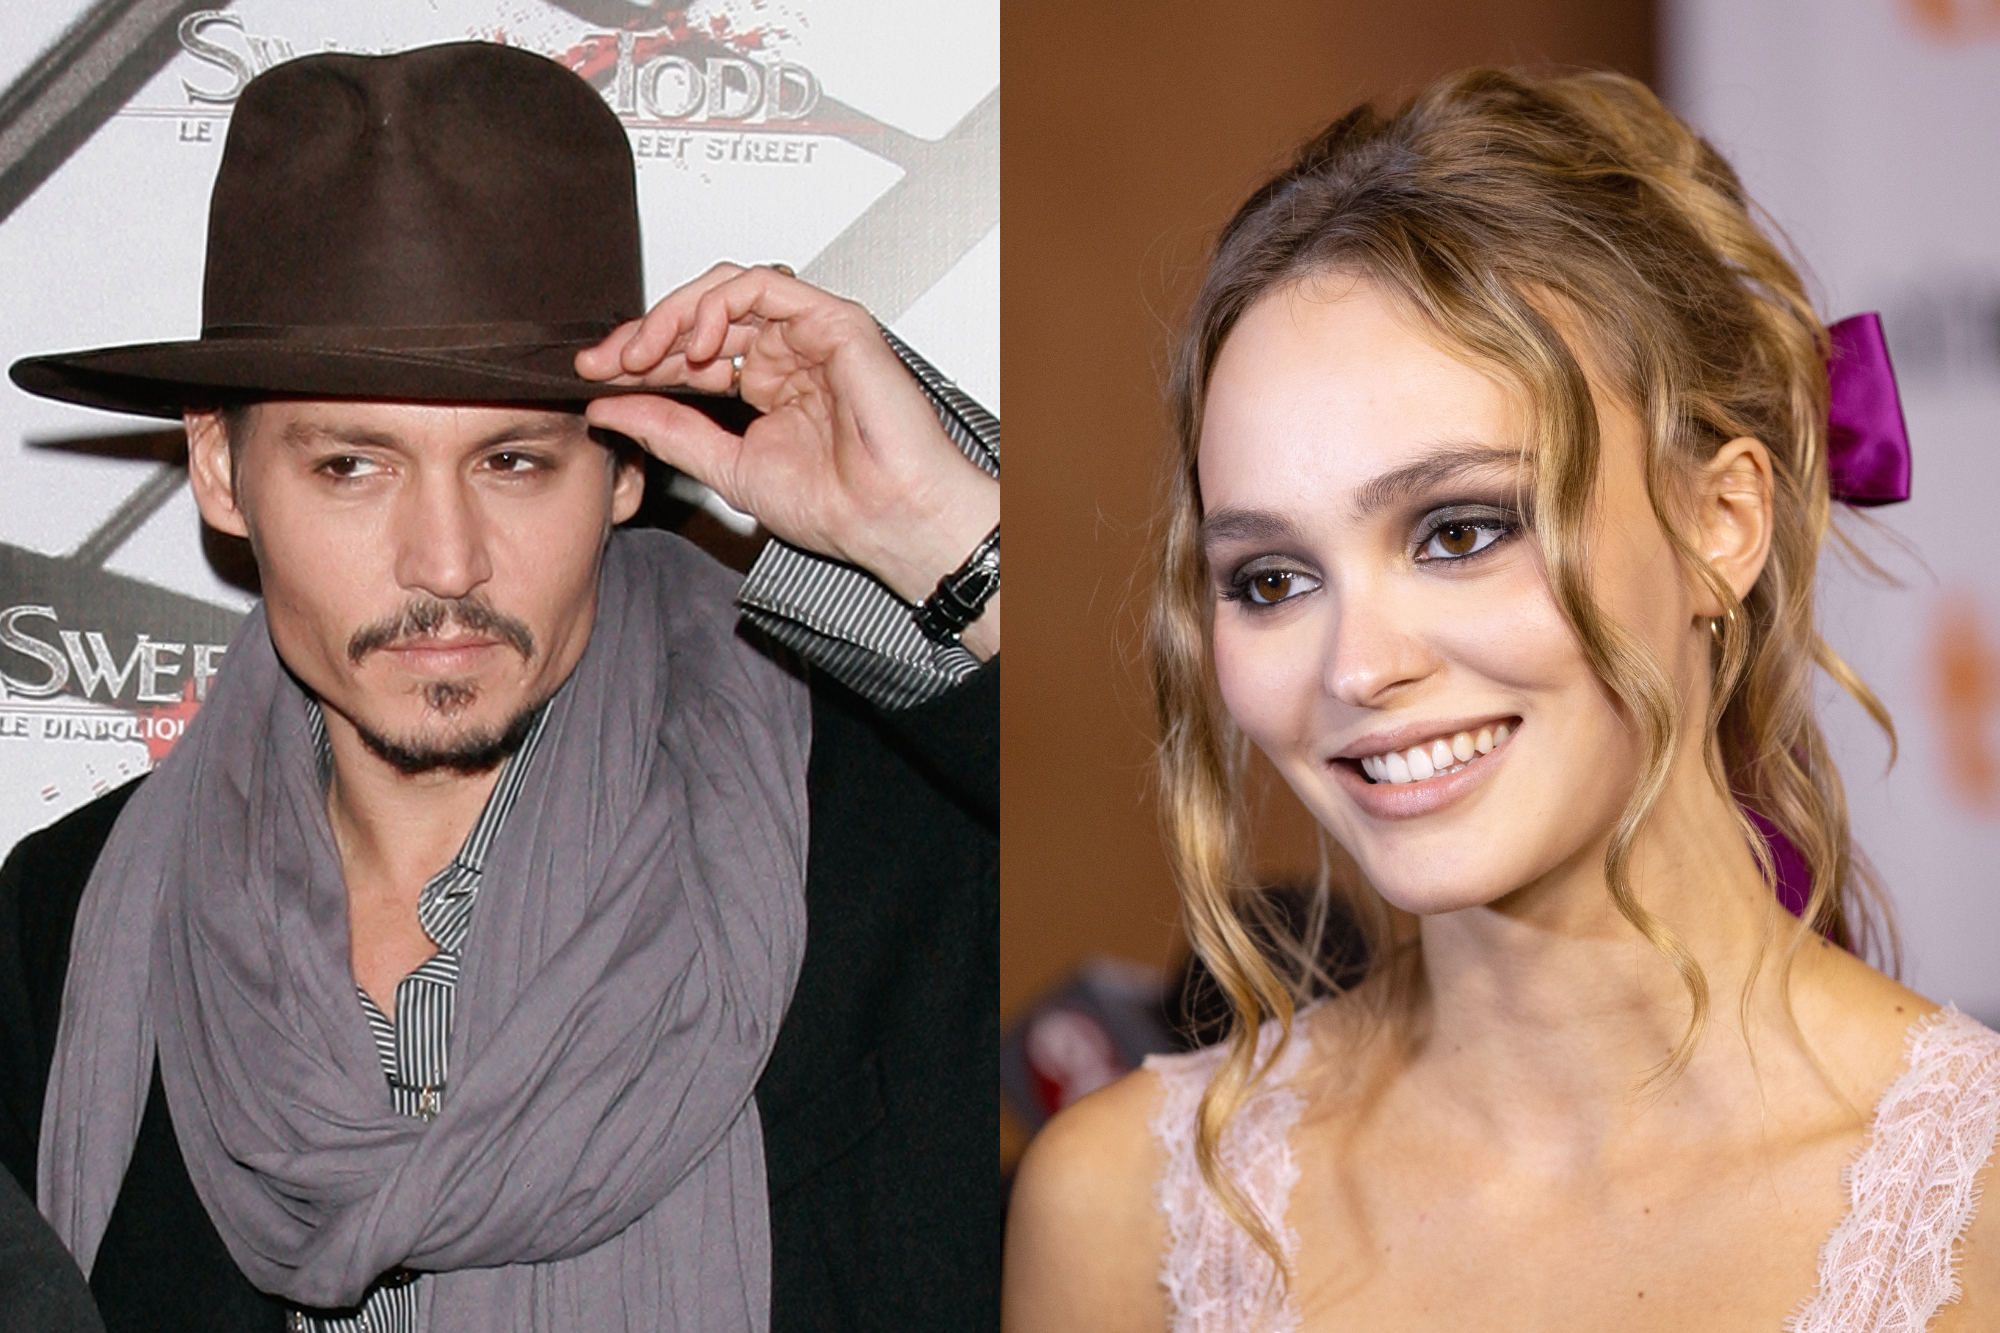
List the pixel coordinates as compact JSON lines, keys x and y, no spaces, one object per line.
{"x":1217,"y":1280}
{"x":1913,"y":1187}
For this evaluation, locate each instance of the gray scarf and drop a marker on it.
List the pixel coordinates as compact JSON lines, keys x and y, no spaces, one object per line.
{"x":598,"y":1163}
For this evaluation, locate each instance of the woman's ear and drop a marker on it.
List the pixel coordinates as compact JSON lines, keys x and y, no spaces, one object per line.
{"x":212,"y":473}
{"x":1733,"y":518}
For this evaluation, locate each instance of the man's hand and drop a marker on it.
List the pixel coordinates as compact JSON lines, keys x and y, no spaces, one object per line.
{"x":848,"y":459}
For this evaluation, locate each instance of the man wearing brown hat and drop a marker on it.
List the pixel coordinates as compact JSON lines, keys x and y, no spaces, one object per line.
{"x":428,"y":983}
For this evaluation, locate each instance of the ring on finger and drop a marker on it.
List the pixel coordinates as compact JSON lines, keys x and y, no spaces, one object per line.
{"x":785,"y":269}
{"x":736,"y":376}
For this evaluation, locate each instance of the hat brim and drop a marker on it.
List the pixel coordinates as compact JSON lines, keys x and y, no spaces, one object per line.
{"x":166,"y":379}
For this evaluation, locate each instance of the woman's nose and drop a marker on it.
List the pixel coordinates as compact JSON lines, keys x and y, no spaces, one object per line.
{"x":1370,"y":651}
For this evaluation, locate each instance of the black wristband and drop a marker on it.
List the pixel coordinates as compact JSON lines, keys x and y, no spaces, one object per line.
{"x":962,"y":594}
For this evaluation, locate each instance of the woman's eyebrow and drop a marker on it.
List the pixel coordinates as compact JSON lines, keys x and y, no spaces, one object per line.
{"x":1247,"y":525}
{"x":1447,"y":464}
{"x":1391,"y":488}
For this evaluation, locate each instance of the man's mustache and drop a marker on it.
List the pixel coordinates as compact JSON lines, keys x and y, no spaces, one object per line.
{"x":423,"y":617}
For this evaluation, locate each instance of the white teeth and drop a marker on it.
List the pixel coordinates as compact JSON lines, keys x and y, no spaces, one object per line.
{"x":1443,"y":755}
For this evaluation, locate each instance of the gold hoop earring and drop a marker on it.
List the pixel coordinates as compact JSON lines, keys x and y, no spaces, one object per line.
{"x":1715,"y":624}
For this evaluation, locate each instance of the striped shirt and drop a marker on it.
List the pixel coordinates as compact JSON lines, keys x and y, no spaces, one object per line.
{"x":840,"y":617}
{"x":414,"y":1046}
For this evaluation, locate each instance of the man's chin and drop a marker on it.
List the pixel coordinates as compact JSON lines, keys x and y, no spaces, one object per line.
{"x":458,"y":747}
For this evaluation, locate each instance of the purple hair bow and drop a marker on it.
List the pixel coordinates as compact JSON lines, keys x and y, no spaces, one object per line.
{"x":1867,"y":445}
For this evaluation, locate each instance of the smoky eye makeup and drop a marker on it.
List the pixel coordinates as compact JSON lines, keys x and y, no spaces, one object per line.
{"x":1439,"y":533}
{"x":1463,"y":530}
{"x":1264,"y":581}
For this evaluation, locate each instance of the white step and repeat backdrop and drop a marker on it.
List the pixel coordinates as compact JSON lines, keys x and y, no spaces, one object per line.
{"x":1870,"y":130}
{"x":856,"y":140}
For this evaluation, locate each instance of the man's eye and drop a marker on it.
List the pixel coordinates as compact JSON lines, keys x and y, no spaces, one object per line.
{"x":346,"y":467}
{"x":511,"y":462}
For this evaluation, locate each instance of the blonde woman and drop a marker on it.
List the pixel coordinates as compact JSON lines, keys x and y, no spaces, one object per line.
{"x":1502,"y":476}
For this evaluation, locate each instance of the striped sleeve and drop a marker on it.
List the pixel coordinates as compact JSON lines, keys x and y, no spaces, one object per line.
{"x":838,"y":616}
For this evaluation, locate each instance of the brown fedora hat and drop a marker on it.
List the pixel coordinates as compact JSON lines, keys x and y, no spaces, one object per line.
{"x":450,"y":224}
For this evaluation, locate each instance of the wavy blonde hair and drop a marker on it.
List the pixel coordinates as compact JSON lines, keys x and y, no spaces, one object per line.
{"x":1489,"y":203}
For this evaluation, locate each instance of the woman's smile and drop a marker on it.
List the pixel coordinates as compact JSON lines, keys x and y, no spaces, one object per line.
{"x":1410,"y":780}
{"x":1392,"y":759}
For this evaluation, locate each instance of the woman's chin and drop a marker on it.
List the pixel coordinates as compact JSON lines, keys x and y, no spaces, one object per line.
{"x":1431,"y":877}
{"x":1431,"y":898}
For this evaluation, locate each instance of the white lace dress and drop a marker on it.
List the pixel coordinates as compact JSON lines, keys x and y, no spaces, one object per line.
{"x":1886,"y":1268}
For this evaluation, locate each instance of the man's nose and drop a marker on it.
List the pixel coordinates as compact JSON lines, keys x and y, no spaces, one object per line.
{"x":440,"y":536}
{"x":1371,"y":650}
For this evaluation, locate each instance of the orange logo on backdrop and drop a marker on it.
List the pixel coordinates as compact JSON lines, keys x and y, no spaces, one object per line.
{"x":1955,"y":20}
{"x":1965,"y":690}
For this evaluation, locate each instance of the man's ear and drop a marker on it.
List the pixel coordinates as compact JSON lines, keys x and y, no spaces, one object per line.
{"x":1733,"y":519}
{"x":212,"y":473}
{"x":628,"y":483}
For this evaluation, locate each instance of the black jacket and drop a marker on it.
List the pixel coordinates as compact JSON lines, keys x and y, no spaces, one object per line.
{"x":879,"y":1104}
{"x":40,"y":1289}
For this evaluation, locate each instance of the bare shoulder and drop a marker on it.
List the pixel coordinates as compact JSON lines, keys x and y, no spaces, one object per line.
{"x":1857,"y":1019}
{"x":1084,"y":1238}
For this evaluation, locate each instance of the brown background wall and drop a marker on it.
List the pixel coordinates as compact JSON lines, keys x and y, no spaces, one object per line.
{"x":1132,"y":130}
